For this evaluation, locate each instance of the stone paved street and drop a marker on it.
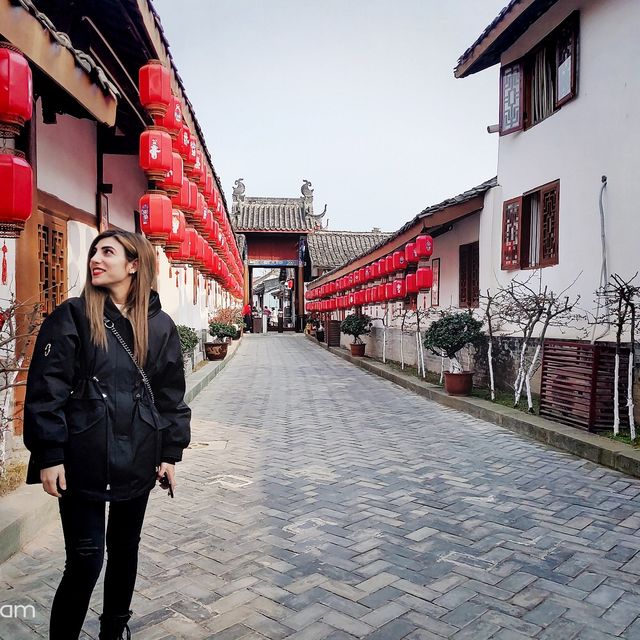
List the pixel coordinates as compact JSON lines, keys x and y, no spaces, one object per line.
{"x":321,"y":502}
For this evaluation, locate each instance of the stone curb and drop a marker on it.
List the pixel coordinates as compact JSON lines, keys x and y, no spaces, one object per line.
{"x":28,"y":509}
{"x":609,"y":453}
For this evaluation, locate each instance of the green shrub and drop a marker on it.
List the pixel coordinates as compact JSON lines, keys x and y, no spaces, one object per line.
{"x":452,"y":333}
{"x":222,"y":330}
{"x":356,"y":325}
{"x":188,"y":339}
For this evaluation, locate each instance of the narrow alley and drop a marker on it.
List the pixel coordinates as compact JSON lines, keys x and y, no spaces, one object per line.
{"x":318,"y":501}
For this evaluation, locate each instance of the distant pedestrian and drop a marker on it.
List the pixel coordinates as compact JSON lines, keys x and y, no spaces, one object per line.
{"x":105,"y":420}
{"x":247,"y":317}
{"x":266,"y":312}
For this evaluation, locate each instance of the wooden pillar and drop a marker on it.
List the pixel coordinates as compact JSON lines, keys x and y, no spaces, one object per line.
{"x":300,"y":292}
{"x":247,"y":285}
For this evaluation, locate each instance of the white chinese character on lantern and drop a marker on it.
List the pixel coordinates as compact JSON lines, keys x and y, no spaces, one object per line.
{"x":178,"y":113}
{"x":154,"y":149}
{"x":175,"y":222}
{"x":197,"y":165}
{"x":144,"y":212}
{"x":193,"y":148}
{"x":185,"y":138}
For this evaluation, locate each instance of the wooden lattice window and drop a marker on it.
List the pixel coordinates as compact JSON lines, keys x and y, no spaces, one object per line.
{"x":469,"y":283}
{"x":52,"y":251}
{"x":549,"y":199}
{"x":530,"y":229}
{"x":511,"y":98}
{"x":538,"y":84}
{"x":511,"y":233}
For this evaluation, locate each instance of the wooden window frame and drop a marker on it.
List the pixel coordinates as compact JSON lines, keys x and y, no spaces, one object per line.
{"x":510,"y":264}
{"x":524,"y":230}
{"x":468,"y":285}
{"x":525,"y":63}
{"x":518,"y":68}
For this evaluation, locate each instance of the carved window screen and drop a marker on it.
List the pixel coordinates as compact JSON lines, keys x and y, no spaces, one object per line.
{"x":549,"y":204}
{"x":469,"y":285}
{"x":511,"y":98}
{"x":52,"y":254}
{"x":511,"y":233}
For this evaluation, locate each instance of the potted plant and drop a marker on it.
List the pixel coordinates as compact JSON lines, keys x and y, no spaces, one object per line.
{"x":188,"y":342}
{"x":232,"y":316}
{"x":217,"y":350}
{"x":356,"y":325}
{"x":448,"y":336}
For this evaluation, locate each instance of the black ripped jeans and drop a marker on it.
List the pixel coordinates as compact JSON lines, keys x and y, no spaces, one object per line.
{"x":83,"y":525}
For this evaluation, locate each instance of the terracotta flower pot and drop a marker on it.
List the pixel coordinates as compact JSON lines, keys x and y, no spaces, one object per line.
{"x":458,"y":384}
{"x":357,"y":349}
{"x":216,"y":350}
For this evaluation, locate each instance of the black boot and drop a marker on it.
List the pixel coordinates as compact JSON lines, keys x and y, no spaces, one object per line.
{"x":115,"y":627}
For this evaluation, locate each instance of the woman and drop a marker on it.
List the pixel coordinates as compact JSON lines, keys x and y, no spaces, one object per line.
{"x":98,"y":432}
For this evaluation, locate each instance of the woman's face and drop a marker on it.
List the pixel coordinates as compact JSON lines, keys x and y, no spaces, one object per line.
{"x":109,"y":266}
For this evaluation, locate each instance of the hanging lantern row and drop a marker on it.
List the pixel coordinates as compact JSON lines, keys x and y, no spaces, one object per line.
{"x":412,"y":254}
{"x":170,"y":157}
{"x":16,"y":175}
{"x":398,"y":289}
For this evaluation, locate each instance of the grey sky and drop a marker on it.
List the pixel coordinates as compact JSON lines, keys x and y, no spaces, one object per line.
{"x":357,"y":96}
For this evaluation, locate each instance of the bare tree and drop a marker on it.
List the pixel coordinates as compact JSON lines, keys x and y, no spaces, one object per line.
{"x":19,"y":322}
{"x":534,"y":308}
{"x":620,"y":301}
{"x":492,"y":307}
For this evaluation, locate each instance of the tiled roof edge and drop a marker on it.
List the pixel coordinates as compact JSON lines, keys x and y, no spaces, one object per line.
{"x":83,"y":60}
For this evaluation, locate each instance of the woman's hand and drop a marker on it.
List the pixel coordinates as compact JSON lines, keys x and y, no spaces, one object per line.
{"x":170,"y":470}
{"x":51,"y":478}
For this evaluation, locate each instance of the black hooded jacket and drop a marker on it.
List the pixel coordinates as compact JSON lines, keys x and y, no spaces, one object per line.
{"x":88,"y":408}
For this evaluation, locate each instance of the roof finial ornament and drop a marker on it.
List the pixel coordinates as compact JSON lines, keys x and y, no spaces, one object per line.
{"x":238,"y":189}
{"x":306,"y":189}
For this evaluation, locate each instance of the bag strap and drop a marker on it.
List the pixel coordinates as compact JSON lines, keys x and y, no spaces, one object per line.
{"x":109,"y":325}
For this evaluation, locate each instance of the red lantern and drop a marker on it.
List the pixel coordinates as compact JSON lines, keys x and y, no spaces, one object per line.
{"x":192,"y":206}
{"x":424,"y":246}
{"x":177,"y":234}
{"x":199,"y":215}
{"x":350,"y":280}
{"x":332,"y":287}
{"x":156,"y":216}
{"x":181,"y":200}
{"x":382,"y":267}
{"x":16,"y":90}
{"x":192,"y":154}
{"x":352,"y":300}
{"x":389,"y":263}
{"x":411,"y":283}
{"x":154,"y":82}
{"x":173,"y":181}
{"x":380,"y":296}
{"x":375,"y":270}
{"x":367,"y":273}
{"x":410,"y":253}
{"x":367,"y":295}
{"x":197,"y":174}
{"x":388,"y":291}
{"x":399,"y":260}
{"x":399,"y":288}
{"x":424,"y":278}
{"x":356,"y":276}
{"x":172,"y":120}
{"x":16,"y":194}
{"x":155,"y":153}
{"x":208,"y":187}
{"x":183,"y":142}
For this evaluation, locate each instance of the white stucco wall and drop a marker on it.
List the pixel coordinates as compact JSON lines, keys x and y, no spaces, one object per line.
{"x":129,"y":183}
{"x":79,"y":239}
{"x":66,"y":153}
{"x":595,"y":134}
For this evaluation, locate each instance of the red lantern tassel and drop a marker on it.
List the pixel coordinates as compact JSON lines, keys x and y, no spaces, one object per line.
{"x":4,"y":263}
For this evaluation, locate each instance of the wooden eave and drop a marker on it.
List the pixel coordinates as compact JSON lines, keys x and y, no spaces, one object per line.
{"x":422,"y":225}
{"x":24,"y":31}
{"x":500,"y":35}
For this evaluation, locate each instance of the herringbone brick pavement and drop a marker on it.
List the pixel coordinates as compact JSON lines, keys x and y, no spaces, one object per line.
{"x":319,"y":502}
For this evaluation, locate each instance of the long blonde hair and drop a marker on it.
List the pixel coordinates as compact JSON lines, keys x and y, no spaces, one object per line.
{"x":136,"y":247}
